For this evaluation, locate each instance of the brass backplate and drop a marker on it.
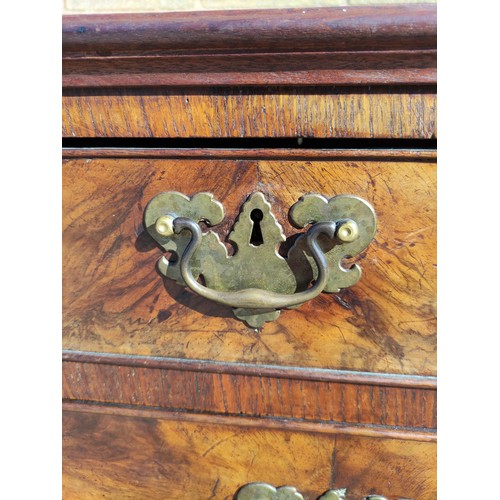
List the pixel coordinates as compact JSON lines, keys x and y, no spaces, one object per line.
{"x":256,"y":236}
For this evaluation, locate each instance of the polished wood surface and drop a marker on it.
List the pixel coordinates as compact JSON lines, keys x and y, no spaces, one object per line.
{"x":280,"y":393}
{"x":390,"y":27}
{"x":167,"y":395}
{"x":340,"y":46}
{"x":403,"y":113}
{"x":287,"y":372}
{"x":115,"y":302}
{"x":353,"y":154}
{"x":124,"y":457}
{"x":389,"y":432}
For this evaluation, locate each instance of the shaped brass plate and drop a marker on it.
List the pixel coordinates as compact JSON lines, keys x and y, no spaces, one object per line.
{"x":264,"y":491}
{"x":257,"y":282}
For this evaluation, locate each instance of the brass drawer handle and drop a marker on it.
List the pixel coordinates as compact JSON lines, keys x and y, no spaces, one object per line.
{"x":257,"y":282}
{"x":255,"y":298}
{"x":264,"y":491}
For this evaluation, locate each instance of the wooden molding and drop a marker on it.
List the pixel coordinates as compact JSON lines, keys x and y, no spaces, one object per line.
{"x":284,"y":372}
{"x":334,"y":29}
{"x":331,"y":397}
{"x":242,"y":421}
{"x":295,"y":154}
{"x":331,"y":46}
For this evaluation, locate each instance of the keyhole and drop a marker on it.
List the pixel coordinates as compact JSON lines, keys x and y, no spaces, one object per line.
{"x":256,"y":238}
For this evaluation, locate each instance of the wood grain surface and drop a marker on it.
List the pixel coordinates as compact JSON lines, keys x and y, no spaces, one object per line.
{"x":167,"y":395}
{"x":339,"y":46}
{"x":389,"y":27}
{"x":273,"y":371}
{"x":346,"y":68}
{"x":286,"y":394}
{"x":352,"y":154}
{"x":243,"y":112}
{"x":124,"y":457}
{"x":114,"y":300}
{"x":394,"y":469}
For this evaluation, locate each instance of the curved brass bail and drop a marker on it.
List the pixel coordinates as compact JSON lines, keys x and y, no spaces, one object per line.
{"x":254,"y":298}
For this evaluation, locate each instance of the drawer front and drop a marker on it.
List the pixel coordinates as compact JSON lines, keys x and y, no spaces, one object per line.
{"x":148,"y":456}
{"x":318,"y":112}
{"x":116,"y":302}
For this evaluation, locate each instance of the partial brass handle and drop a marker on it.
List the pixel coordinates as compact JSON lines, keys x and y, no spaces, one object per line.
{"x":254,"y":298}
{"x":264,"y":491}
{"x":257,"y":281}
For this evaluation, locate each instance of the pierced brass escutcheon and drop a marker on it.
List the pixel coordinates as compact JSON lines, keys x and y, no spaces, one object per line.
{"x":257,"y":282}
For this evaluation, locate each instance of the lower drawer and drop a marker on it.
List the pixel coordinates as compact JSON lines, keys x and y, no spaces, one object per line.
{"x":129,"y":454}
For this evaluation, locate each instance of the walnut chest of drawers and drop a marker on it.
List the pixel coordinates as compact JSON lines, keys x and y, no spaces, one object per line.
{"x":168,"y":395}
